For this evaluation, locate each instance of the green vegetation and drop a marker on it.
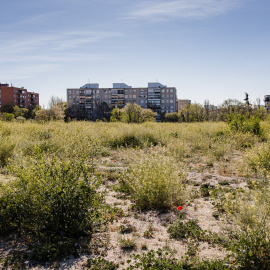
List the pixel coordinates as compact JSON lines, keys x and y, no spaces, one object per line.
{"x":100,"y":263}
{"x":55,"y":176}
{"x":163,"y":260}
{"x":42,"y":205}
{"x":154,"y":183}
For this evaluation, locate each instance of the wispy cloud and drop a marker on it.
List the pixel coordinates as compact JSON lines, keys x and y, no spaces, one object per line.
{"x":37,"y":53}
{"x":34,"y":19}
{"x":52,"y":41}
{"x":183,"y":8}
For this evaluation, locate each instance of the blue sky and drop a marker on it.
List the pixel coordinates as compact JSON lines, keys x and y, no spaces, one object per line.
{"x":207,"y":49}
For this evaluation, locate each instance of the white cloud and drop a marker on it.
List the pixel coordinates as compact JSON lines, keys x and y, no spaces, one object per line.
{"x":31,"y":54}
{"x":183,"y":8}
{"x":52,"y":41}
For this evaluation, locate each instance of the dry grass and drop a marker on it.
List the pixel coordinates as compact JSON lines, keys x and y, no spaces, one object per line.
{"x":151,"y":167}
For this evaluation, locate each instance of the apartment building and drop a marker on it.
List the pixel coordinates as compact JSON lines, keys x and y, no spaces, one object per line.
{"x":180,"y":103}
{"x":89,"y":100}
{"x":17,"y":96}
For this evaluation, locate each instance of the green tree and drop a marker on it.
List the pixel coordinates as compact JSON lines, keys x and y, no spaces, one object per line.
{"x":54,"y":113}
{"x":171,"y":117}
{"x":116,"y":115}
{"x":7,"y":108}
{"x":8,"y":117}
{"x":148,"y":115}
{"x":134,"y":113}
{"x":20,"y":112}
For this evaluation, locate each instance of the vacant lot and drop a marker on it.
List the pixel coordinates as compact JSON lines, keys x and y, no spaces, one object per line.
{"x":74,"y":192}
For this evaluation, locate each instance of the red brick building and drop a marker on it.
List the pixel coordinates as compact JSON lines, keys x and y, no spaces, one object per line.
{"x":17,"y":96}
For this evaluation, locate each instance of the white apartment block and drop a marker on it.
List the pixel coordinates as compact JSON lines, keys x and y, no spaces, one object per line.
{"x":88,"y":99}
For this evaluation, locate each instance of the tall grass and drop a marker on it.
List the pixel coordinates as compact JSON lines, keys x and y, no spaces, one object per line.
{"x":156,"y":182}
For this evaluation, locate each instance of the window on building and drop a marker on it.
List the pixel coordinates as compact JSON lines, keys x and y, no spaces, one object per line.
{"x":69,"y":91}
{"x":162,"y":101}
{"x":171,"y":101}
{"x":171,"y":90}
{"x":142,"y":91}
{"x":142,"y":101}
{"x":134,"y":96}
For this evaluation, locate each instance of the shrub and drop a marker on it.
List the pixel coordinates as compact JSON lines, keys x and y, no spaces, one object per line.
{"x":181,"y":230}
{"x":51,"y":204}
{"x":259,"y":159}
{"x":155,"y":183}
{"x":163,"y":260}
{"x":6,"y":151}
{"x":251,"y":231}
{"x":20,"y":119}
{"x":100,"y":263}
{"x":134,"y":140}
{"x":240,"y":123}
{"x":8,"y":117}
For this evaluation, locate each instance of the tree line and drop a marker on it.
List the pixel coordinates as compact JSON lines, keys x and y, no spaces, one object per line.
{"x":132,"y":112}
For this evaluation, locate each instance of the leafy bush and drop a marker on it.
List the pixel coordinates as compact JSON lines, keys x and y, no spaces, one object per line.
{"x":132,"y":140}
{"x":241,"y":123}
{"x":51,"y":204}
{"x":205,"y":189}
{"x":100,"y":263}
{"x":181,"y":230}
{"x":163,"y":260}
{"x":8,"y":117}
{"x":155,"y":184}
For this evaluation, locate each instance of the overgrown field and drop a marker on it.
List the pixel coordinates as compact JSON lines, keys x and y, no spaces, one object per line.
{"x":100,"y":195}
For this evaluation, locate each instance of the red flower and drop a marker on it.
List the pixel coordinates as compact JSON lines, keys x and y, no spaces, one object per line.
{"x":200,"y":164}
{"x":114,"y":160}
{"x":179,"y":208}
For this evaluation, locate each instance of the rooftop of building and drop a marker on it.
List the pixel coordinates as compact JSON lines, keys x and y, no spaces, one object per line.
{"x":123,"y":86}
